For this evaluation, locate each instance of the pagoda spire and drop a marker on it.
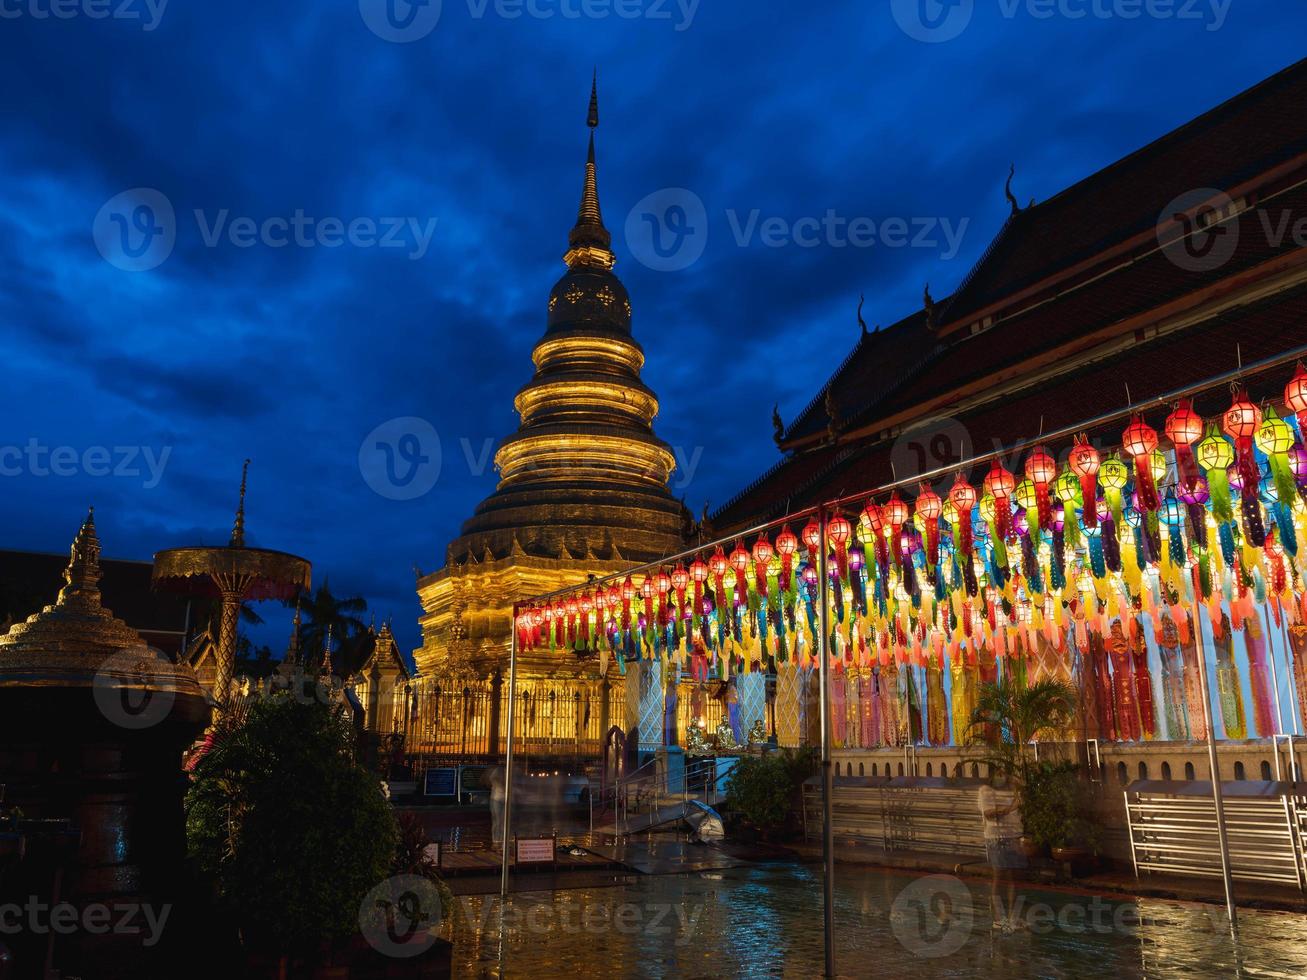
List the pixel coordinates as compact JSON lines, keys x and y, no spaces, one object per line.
{"x":590,"y":243}
{"x":82,"y":576}
{"x":238,"y":528}
{"x":292,"y":657}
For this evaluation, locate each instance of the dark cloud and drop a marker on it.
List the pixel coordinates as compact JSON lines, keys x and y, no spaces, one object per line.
{"x":292,"y":355}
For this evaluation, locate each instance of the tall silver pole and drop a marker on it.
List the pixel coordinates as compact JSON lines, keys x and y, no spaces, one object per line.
{"x":508,"y":756}
{"x":827,"y":776}
{"x":1275,"y":673}
{"x":1221,"y":835}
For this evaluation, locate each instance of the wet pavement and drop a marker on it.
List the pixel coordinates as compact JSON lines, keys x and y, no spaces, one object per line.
{"x":765,"y":921}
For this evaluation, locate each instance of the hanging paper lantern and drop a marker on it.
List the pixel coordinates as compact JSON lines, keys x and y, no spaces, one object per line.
{"x":787,"y":545}
{"x":928,"y":508}
{"x":1139,"y":440}
{"x":1216,"y":457}
{"x":1041,"y":470}
{"x":1000,"y":484}
{"x":1184,"y":427}
{"x":895,"y":513}
{"x":1085,"y":463}
{"x":1295,"y":397}
{"x":740,"y":562}
{"x":963,"y":497}
{"x":839,"y":530}
{"x":1241,"y":422}
{"x":762,"y":554}
{"x":812,"y":537}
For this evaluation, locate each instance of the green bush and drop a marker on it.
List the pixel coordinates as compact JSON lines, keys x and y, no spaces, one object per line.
{"x":764,"y":790}
{"x":1057,"y":806}
{"x":289,"y":827}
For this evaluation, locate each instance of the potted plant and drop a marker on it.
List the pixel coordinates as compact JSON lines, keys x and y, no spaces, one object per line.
{"x":1010,"y":714}
{"x":1057,"y":809}
{"x":290,"y":829}
{"x":764,"y":791}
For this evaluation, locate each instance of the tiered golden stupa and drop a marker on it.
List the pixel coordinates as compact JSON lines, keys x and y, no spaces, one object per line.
{"x":582,"y":491}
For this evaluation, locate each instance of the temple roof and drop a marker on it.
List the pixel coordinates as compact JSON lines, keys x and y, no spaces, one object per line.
{"x":1079,"y":273}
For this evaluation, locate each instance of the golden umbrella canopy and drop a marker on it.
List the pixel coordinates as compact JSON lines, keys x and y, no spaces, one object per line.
{"x":235,"y":574}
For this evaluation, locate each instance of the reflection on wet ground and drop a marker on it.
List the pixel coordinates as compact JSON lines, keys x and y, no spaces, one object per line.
{"x":765,"y":921}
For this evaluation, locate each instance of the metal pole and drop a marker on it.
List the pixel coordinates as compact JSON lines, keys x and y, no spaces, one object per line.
{"x":1221,"y":834}
{"x":1293,"y":684}
{"x":1275,"y":673}
{"x":508,"y":755}
{"x":827,"y":777}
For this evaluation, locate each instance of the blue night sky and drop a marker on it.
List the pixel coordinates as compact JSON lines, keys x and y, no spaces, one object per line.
{"x":241,"y":342}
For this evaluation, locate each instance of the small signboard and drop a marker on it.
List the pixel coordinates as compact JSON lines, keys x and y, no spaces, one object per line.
{"x":534,"y":850}
{"x":432,"y":851}
{"x":441,"y":781}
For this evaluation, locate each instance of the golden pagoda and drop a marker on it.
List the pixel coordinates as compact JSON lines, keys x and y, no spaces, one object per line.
{"x":582,"y":491}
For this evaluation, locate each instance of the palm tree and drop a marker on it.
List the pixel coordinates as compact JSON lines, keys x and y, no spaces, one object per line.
{"x":1011,"y":713}
{"x":321,"y":610}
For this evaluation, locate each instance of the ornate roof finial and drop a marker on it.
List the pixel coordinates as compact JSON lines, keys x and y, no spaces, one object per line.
{"x":292,"y":656}
{"x":82,"y":576}
{"x":238,"y":528}
{"x":861,"y":322}
{"x":589,"y":242}
{"x":928,"y":302}
{"x":833,"y":420}
{"x":1007,"y":189}
{"x":777,"y":425}
{"x":327,"y":668}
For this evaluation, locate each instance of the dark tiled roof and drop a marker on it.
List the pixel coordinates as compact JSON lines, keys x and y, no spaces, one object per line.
{"x":1221,"y":149}
{"x":1152,"y":368}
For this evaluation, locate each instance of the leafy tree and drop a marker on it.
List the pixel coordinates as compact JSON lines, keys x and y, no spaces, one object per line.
{"x":322,"y":609}
{"x":765,"y":790}
{"x":292,"y":830}
{"x":1011,"y":713}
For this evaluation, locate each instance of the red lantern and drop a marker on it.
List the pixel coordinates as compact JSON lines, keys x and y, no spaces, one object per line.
{"x":699,"y":570}
{"x":1041,"y":470}
{"x":1085,"y":463}
{"x":1139,"y":440}
{"x":740,"y":562}
{"x":587,"y":604}
{"x":812,"y":538}
{"x":895,"y":513}
{"x":871,"y":517}
{"x":1000,"y":484}
{"x":963,"y":496}
{"x":1295,"y":397}
{"x":1184,"y":427}
{"x":929,"y":507}
{"x":839,"y":530}
{"x":787,"y":544}
{"x":1240,"y":422}
{"x":647,"y":593}
{"x":762,"y":554}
